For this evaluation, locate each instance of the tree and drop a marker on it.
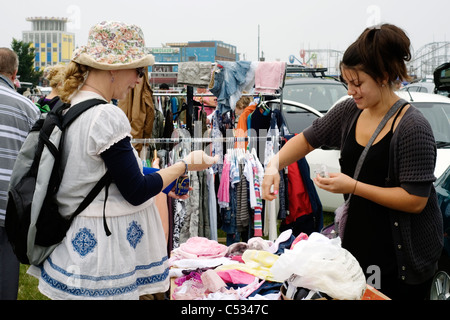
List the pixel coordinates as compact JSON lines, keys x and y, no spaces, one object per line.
{"x":26,"y":55}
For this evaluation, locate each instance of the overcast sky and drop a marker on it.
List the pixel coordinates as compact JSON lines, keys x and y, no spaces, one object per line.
{"x":286,"y":26}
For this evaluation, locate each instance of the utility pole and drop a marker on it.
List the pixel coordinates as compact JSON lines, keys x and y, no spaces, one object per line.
{"x":258,"y":41}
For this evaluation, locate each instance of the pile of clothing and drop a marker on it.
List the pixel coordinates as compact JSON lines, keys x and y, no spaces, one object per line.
{"x":305,"y":267}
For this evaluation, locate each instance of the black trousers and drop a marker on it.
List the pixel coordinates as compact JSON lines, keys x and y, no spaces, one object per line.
{"x":9,"y":269}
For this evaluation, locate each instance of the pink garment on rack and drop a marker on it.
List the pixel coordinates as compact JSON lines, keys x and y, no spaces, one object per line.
{"x":269,"y":76}
{"x":259,"y":206}
{"x":223,"y":194}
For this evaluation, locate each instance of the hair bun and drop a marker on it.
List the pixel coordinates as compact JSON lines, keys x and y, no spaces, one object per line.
{"x":380,"y":51}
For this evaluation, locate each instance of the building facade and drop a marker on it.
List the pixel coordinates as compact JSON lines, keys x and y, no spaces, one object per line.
{"x":51,"y":41}
{"x":167,"y":58}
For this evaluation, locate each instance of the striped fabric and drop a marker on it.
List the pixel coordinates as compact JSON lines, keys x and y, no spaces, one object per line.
{"x":259,"y":204}
{"x":17,"y":115}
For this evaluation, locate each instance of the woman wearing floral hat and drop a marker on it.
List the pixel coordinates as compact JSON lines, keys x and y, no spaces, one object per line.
{"x":132,"y":260}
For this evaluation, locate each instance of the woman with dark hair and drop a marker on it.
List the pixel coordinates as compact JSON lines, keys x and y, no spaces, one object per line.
{"x":393,"y":226}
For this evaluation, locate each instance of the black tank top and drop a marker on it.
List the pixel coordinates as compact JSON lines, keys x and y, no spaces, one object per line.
{"x":368,"y":234}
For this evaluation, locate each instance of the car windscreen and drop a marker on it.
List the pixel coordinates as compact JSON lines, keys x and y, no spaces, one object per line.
{"x":297,"y":119}
{"x":438,"y":115}
{"x":319,"y":96}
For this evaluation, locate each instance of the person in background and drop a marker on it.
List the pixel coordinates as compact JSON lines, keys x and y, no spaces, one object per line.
{"x":394,"y":226}
{"x":164,"y":86}
{"x":132,"y":261}
{"x":55,"y":75}
{"x":242,"y":103}
{"x":17,"y":116}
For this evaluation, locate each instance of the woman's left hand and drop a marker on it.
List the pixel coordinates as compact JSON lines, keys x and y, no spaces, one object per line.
{"x":336,"y":183}
{"x":183,"y":197}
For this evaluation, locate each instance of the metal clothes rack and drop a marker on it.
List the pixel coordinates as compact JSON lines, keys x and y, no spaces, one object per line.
{"x":202,"y":140}
{"x":190,"y":98}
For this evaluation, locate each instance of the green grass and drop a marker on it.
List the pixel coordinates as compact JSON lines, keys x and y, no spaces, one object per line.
{"x":28,"y":286}
{"x":328,"y":218}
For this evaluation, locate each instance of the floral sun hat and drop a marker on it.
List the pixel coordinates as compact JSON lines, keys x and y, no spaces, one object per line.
{"x":114,"y":46}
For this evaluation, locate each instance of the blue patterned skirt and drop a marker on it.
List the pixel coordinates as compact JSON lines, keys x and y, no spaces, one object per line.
{"x":129,"y":263}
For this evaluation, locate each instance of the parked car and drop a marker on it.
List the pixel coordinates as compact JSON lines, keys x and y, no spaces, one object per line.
{"x":425,"y":87}
{"x":443,"y":192}
{"x":442,"y":79}
{"x":314,"y":88}
{"x":436,"y":108}
{"x":438,"y":84}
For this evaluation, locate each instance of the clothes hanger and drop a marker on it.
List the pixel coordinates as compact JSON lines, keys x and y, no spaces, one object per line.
{"x":263,"y":106}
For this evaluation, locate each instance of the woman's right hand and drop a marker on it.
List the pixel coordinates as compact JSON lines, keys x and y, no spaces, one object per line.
{"x":198,"y":160}
{"x":271,"y":180}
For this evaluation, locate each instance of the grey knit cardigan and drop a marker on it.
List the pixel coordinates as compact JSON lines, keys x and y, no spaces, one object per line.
{"x":418,"y":238}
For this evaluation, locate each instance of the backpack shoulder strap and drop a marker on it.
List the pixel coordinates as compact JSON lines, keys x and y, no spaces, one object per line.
{"x":78,"y":109}
{"x":105,"y":181}
{"x":59,"y":105}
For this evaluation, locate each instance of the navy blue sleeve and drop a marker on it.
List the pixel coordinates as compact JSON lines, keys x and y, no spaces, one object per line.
{"x":126,"y":174}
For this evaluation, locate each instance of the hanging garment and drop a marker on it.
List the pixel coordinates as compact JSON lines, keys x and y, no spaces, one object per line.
{"x":168,"y":127}
{"x":217,"y":147}
{"x":258,"y":175}
{"x":248,"y":173}
{"x":195,"y":74}
{"x":283,"y":211}
{"x":139,"y":108}
{"x":204,"y":228}
{"x":299,"y":203}
{"x":312,"y":222}
{"x":223,"y":195}
{"x":305,"y":208}
{"x":269,"y":76}
{"x":174,"y":106}
{"x":179,"y":213}
{"x":314,"y":199}
{"x":171,"y":210}
{"x":242,"y":213}
{"x":230,"y":80}
{"x":158,"y":125}
{"x":241,"y":127}
{"x":212,"y":205}
{"x":191,"y":218}
{"x":271,"y":148}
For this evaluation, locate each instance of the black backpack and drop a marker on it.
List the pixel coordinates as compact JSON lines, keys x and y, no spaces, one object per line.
{"x":33,"y":223}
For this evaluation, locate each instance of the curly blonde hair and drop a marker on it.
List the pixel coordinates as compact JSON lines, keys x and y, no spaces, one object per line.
{"x":74,"y":78}
{"x":244,"y":102}
{"x":55,"y":75}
